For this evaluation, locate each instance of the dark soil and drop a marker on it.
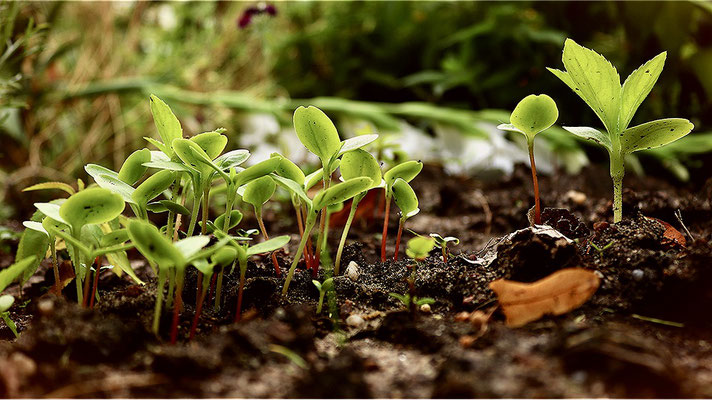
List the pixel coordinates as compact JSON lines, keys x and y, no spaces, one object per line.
{"x":645,"y":333}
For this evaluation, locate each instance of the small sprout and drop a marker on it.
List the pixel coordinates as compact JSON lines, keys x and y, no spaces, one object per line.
{"x":406,"y":300}
{"x":406,"y":171}
{"x":420,"y":247}
{"x":442,"y":242}
{"x":600,"y":249}
{"x":534,"y":114}
{"x":7,"y":276}
{"x":324,"y":287}
{"x":407,"y":201}
{"x":6,"y":302}
{"x":596,"y":81}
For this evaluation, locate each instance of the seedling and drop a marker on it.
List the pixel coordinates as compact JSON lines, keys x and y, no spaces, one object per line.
{"x":407,"y":201}
{"x":534,"y":114}
{"x":7,"y":276}
{"x":406,"y":171}
{"x":324,"y":287}
{"x":596,"y":81}
{"x":442,"y":243}
{"x":354,"y":164}
{"x":416,"y":301}
{"x":418,"y":249}
{"x":257,"y":193}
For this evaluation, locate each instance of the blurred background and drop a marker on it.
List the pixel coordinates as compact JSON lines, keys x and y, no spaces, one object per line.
{"x":434,"y":78}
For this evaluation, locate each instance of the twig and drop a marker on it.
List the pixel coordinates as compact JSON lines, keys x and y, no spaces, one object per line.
{"x":658,"y":321}
{"x":486,"y":209}
{"x":678,"y":215}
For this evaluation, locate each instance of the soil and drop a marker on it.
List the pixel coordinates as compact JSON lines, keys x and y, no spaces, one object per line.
{"x":646,"y":332}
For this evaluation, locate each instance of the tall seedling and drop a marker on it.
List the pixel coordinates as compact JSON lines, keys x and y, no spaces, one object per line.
{"x":534,"y":114}
{"x":596,"y":81}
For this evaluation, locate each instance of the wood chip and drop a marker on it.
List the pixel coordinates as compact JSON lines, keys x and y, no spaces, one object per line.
{"x":556,"y":294}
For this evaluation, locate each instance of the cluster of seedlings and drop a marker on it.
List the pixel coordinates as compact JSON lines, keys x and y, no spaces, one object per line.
{"x":92,"y":226}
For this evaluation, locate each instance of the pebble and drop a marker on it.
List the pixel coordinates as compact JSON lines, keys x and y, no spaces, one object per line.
{"x":45,"y":306}
{"x":425,"y":308}
{"x":576,"y":197}
{"x":353,"y":271}
{"x":355,"y":321}
{"x":638,"y":274}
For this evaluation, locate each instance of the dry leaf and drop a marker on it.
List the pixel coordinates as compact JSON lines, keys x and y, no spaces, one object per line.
{"x":671,"y":236}
{"x":66,"y":275}
{"x":556,"y":294}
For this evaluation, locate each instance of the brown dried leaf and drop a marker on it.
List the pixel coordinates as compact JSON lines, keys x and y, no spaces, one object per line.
{"x":66,"y":275}
{"x":556,"y":294}
{"x":671,"y":236}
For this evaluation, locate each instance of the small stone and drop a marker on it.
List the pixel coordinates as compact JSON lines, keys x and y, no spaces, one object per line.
{"x":45,"y":306}
{"x":576,"y":197}
{"x":425,"y":308}
{"x":355,"y":321}
{"x":353,"y":271}
{"x":638,"y":274}
{"x":599,"y":274}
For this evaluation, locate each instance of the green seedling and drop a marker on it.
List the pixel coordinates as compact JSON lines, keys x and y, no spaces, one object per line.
{"x":534,"y":114}
{"x":354,"y":164}
{"x":324,"y":287}
{"x":257,"y":193}
{"x":406,"y":171}
{"x":418,"y":250}
{"x":407,"y":202}
{"x":7,"y":276}
{"x":442,"y":243}
{"x":340,"y":192}
{"x":596,"y":81}
{"x":600,"y":249}
{"x":416,"y":301}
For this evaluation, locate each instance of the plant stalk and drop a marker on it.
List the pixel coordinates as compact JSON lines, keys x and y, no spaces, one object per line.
{"x":345,"y":233}
{"x":261,"y":223}
{"x":401,"y":222}
{"x":537,"y":206}
{"x":199,"y":307}
{"x":178,"y":304}
{"x":241,"y":289}
{"x":385,"y":227}
{"x":162,"y":275}
{"x":311,"y":220}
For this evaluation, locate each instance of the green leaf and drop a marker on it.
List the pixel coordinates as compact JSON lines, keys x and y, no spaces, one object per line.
{"x":419,"y":247}
{"x":534,"y":114}
{"x":174,"y":207}
{"x":115,"y":185}
{"x":51,"y":185}
{"x":114,"y":237}
{"x":153,"y":186}
{"x":168,"y":165}
{"x":192,"y":154}
{"x":213,"y":143}
{"x":133,"y":168}
{"x":224,"y":256}
{"x":6,"y":301}
{"x":406,"y":171}
{"x":50,"y":210}
{"x":444,"y":240}
{"x":34,"y":242}
{"x":356,"y":142}
{"x":405,"y":198}
{"x":318,"y":175}
{"x":341,"y":192}
{"x":235,"y":218}
{"x":95,"y":170}
{"x":654,"y":134}
{"x":91,"y":206}
{"x":154,"y":245}
{"x":156,"y":207}
{"x":637,"y":87}
{"x":121,"y":260}
{"x":35,"y":226}
{"x":14,"y":271}
{"x":293,"y":187}
{"x":594,"y":79}
{"x":259,"y":191}
{"x":316,"y":132}
{"x":289,"y":170}
{"x":232,"y":159}
{"x":204,"y":266}
{"x":166,"y":122}
{"x":191,"y":245}
{"x":260,"y":169}
{"x":268,"y":245}
{"x":165,"y":149}
{"x":359,"y":163}
{"x":591,"y":134}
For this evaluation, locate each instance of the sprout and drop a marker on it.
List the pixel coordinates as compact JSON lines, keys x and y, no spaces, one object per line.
{"x":442,"y":242}
{"x":596,"y":81}
{"x":6,"y":302}
{"x":257,"y":193}
{"x":7,"y":276}
{"x":407,"y":201}
{"x":534,"y":114}
{"x":324,"y":287}
{"x":406,"y":171}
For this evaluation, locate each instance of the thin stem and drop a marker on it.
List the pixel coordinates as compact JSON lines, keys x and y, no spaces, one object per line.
{"x":171,"y":287}
{"x":307,"y":231}
{"x":385,"y":227}
{"x":444,"y":254}
{"x":162,"y":276}
{"x":96,"y":285}
{"x":537,"y":206}
{"x":241,"y":289}
{"x":199,"y":307}
{"x":55,"y":266}
{"x":87,"y":280}
{"x":171,"y":214}
{"x":261,"y":223}
{"x":345,"y":233}
{"x":178,"y":304}
{"x":401,"y":222}
{"x":319,"y":240}
{"x":194,"y":213}
{"x":179,"y":217}
{"x":321,"y":301}
{"x":218,"y":289}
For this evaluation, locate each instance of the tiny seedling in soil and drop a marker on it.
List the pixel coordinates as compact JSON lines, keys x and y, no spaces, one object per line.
{"x":418,"y":249}
{"x":324,"y":287}
{"x":7,"y":276}
{"x":406,"y":171}
{"x":534,"y":114}
{"x":442,"y":243}
{"x":596,"y":81}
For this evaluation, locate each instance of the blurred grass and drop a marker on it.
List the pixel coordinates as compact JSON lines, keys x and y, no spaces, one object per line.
{"x":74,"y":90}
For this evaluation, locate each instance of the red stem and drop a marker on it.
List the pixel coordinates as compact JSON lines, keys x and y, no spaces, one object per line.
{"x":198,"y":310}
{"x":178,"y":304}
{"x":238,"y":313}
{"x":317,"y":252}
{"x":96,"y":286}
{"x":444,"y":255}
{"x":398,"y":239}
{"x":385,"y":229}
{"x":537,"y":207}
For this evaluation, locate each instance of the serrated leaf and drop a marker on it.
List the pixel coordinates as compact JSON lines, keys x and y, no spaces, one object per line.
{"x":356,"y":142}
{"x":51,"y":185}
{"x":341,"y":192}
{"x":133,"y":168}
{"x":166,"y":122}
{"x":91,"y":206}
{"x":591,"y":134}
{"x":268,"y":245}
{"x":654,"y":134}
{"x":405,"y":198}
{"x":316,"y":132}
{"x":637,"y":87}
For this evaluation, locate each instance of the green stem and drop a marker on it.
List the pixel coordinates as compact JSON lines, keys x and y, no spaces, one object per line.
{"x":55,"y":266}
{"x":162,"y":276}
{"x":171,"y":286}
{"x":311,"y":220}
{"x":385,"y":226}
{"x":171,"y":214}
{"x":322,"y":221}
{"x":241,"y":288}
{"x":218,"y":289}
{"x":345,"y":233}
{"x":194,"y":213}
{"x":617,"y":173}
{"x":321,"y":301}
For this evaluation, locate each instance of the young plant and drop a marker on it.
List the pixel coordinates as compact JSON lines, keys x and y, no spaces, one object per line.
{"x":406,"y":171}
{"x":596,"y":81}
{"x":7,"y":276}
{"x":442,"y":243}
{"x":324,"y":287}
{"x":354,"y":164}
{"x":257,"y":193}
{"x":534,"y":114}
{"x":407,"y":201}
{"x":418,"y":249}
